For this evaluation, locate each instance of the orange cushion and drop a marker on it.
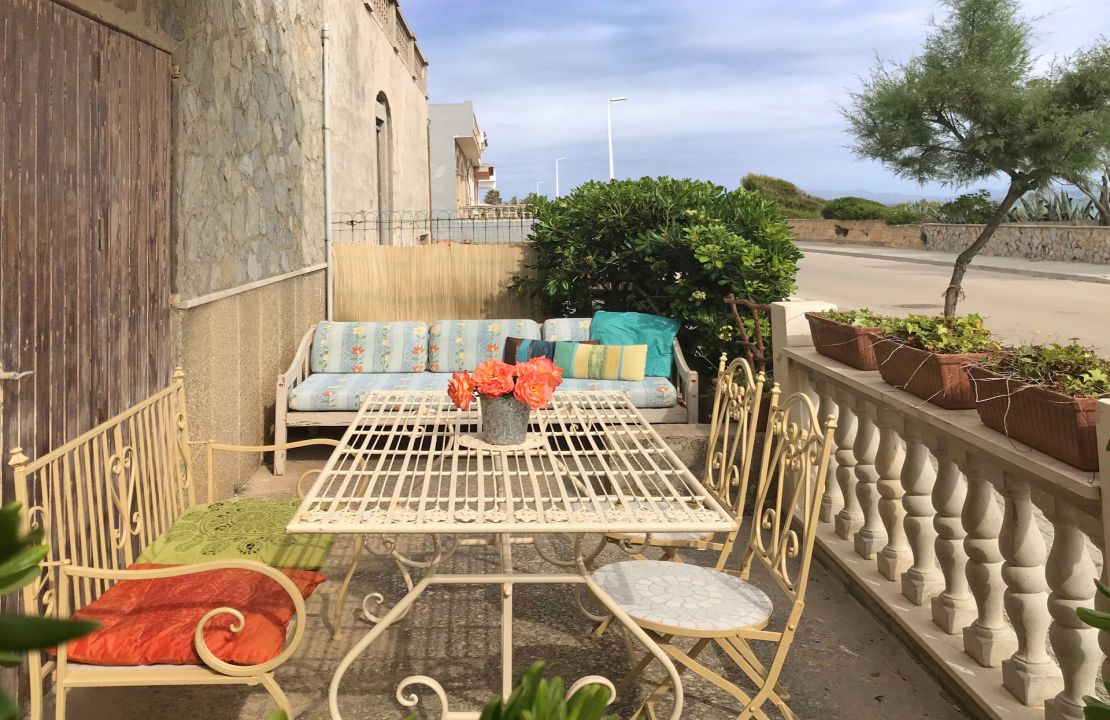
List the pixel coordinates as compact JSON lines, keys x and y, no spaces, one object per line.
{"x":151,"y":622}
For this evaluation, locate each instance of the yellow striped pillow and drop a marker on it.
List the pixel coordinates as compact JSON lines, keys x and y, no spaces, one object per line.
{"x":601,"y":362}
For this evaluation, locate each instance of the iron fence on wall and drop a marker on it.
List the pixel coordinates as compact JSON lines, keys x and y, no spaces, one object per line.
{"x":420,"y":227}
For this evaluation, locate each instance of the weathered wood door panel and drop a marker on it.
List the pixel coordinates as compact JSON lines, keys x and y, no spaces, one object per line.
{"x":84,"y":224}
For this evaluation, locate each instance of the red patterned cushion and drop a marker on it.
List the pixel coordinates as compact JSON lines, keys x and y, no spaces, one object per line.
{"x":151,"y":622}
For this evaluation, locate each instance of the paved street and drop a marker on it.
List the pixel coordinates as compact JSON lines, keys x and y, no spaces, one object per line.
{"x":1017,"y":307}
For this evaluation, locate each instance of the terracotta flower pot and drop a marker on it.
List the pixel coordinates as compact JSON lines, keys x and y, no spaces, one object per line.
{"x":939,"y":378}
{"x":504,"y":420}
{"x":1059,"y":425}
{"x":842,"y":342}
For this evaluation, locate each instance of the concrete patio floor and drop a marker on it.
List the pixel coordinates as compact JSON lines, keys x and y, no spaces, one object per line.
{"x":844,"y":665}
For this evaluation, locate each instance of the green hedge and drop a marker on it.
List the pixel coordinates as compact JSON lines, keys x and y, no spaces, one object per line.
{"x":794,"y":202}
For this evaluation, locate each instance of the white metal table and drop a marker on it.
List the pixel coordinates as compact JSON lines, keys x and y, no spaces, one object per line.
{"x":413,"y":464}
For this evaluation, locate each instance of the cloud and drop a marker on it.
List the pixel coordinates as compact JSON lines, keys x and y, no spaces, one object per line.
{"x":717,"y":88}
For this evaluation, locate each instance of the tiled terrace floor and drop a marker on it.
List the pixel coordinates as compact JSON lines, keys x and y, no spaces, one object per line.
{"x":844,"y":665}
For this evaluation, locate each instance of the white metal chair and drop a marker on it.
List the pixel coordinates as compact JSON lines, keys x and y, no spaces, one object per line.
{"x":672,"y":600}
{"x":728,"y":460}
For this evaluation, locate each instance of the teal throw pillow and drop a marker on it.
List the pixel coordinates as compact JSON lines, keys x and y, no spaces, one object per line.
{"x":633,"y":328}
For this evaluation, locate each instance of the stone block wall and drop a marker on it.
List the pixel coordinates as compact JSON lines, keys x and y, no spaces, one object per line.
{"x":859,"y":232}
{"x":1041,"y":241}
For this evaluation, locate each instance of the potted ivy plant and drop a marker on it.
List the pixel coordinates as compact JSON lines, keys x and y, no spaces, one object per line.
{"x":844,"y":336}
{"x":927,"y":355}
{"x":1045,"y":396}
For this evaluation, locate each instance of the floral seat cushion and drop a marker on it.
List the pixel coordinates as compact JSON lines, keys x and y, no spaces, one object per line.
{"x":239,"y":529}
{"x":566,"y":329}
{"x":461,"y":344}
{"x":369,"y":347}
{"x":346,"y":391}
{"x":651,"y":392}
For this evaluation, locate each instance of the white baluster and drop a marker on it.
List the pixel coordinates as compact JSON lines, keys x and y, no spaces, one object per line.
{"x":988,"y":640}
{"x":850,"y":517}
{"x":952,"y":608}
{"x":1070,"y":573}
{"x":832,"y":501}
{"x":922,"y":581}
{"x":1030,"y":675}
{"x":896,"y":556}
{"x":871,"y":536}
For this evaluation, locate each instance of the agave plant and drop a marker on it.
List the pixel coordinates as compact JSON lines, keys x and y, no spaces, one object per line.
{"x":1048,"y":205}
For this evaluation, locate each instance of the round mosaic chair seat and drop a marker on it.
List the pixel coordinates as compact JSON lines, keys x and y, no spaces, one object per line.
{"x":670,"y":596}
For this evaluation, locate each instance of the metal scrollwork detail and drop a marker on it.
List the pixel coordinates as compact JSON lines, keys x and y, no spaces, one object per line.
{"x":123,"y":486}
{"x":411,"y":700}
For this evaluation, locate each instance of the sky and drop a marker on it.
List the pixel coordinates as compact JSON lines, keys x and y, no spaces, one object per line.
{"x":716,"y":88}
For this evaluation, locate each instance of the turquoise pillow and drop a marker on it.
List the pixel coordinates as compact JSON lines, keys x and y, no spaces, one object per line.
{"x":633,"y":328}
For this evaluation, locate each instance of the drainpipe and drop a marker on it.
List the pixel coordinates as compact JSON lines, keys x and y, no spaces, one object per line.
{"x":329,"y":272}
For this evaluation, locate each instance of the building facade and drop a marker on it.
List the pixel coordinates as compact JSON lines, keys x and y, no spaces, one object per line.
{"x":459,"y":178}
{"x":243,"y":134}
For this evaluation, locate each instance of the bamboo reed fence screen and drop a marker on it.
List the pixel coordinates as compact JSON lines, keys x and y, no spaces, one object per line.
{"x":430,"y":282}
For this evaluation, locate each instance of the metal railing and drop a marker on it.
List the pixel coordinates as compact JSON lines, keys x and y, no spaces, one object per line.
{"x":419,"y":227}
{"x":978,"y":548}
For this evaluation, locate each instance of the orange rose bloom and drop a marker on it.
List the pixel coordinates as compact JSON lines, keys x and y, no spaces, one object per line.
{"x":543,"y":369}
{"x":494,"y":378}
{"x":533,"y":391}
{"x":461,"y":390}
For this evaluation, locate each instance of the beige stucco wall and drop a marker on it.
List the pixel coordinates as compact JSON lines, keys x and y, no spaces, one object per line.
{"x":232,"y":350}
{"x":859,"y":232}
{"x":363,"y":64}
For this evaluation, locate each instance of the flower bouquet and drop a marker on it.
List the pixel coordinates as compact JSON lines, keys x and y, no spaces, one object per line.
{"x":508,"y":394}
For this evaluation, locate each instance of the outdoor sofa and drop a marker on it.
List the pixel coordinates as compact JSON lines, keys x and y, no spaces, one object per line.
{"x":338,"y":363}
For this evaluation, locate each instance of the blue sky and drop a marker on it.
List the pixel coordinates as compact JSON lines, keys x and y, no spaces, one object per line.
{"x":716,"y":88}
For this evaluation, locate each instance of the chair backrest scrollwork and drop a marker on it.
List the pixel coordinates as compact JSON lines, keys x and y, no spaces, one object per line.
{"x":796,"y":450}
{"x":732,"y":433}
{"x":103,"y":496}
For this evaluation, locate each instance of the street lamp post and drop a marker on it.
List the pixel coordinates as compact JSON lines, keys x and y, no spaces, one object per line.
{"x":538,"y":183}
{"x":557,"y":161}
{"x":609,"y":118}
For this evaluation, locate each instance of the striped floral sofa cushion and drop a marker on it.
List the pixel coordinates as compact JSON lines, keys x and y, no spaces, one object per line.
{"x":462,"y":344}
{"x":369,"y":347}
{"x":566,"y":329}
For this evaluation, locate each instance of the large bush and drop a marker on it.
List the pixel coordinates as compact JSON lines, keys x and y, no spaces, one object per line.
{"x":663,"y":246}
{"x":854,"y":208}
{"x":794,"y":202}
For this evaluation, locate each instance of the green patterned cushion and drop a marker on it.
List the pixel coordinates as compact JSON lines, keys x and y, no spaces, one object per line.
{"x":239,"y":529}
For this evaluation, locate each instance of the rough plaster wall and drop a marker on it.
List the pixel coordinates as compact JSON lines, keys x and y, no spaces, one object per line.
{"x":363,"y":64}
{"x":232,"y":351}
{"x":859,"y":232}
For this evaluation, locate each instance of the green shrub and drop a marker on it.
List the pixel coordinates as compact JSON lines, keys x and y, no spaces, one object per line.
{"x":794,"y":202}
{"x":854,"y":208}
{"x":859,"y":318}
{"x":537,"y":698}
{"x":970,"y":208}
{"x":939,"y":334}
{"x":662,"y":246}
{"x":905,"y":214}
{"x":1071,"y":369}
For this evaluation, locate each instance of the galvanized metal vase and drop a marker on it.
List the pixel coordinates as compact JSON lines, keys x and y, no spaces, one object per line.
{"x":504,"y":420}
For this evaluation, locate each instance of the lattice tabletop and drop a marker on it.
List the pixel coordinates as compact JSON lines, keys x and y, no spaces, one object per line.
{"x":400,"y":468}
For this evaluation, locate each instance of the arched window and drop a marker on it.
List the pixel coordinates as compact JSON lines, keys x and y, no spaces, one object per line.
{"x":383,"y":137}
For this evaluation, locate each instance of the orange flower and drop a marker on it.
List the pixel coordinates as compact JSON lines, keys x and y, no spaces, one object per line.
{"x":461,"y":390}
{"x":543,"y":369}
{"x":533,"y":391}
{"x":356,"y":368}
{"x":494,"y":378}
{"x":358,"y":350}
{"x":418,"y":350}
{"x":492,"y":348}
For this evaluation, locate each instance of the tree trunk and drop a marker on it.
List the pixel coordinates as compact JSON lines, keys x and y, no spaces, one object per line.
{"x":952,"y":293}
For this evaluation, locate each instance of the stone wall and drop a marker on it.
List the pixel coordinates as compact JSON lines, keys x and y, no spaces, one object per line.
{"x":1067,"y":243}
{"x":859,"y":232}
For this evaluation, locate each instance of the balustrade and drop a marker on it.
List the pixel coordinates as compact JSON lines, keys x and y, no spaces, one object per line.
{"x":947,"y":512}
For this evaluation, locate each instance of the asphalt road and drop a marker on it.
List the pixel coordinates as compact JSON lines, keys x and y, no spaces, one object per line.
{"x":1017,"y":308}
